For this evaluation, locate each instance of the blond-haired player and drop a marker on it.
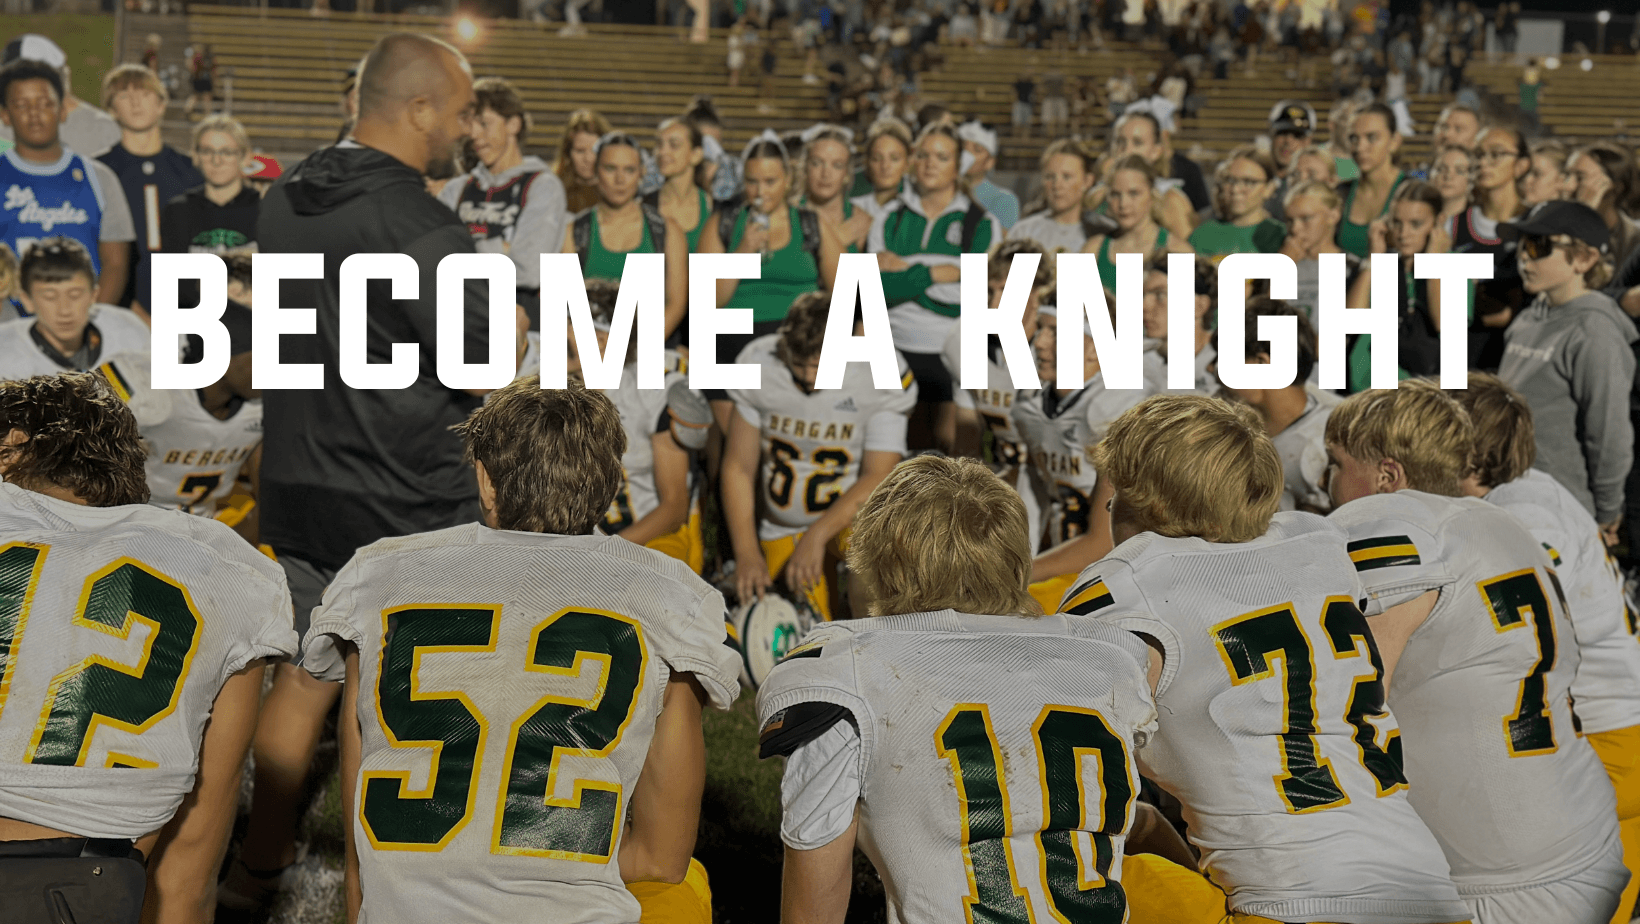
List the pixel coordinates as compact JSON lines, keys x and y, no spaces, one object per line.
{"x":1606,"y":690}
{"x":990,"y":410}
{"x":1060,"y":426}
{"x":800,"y":461}
{"x":979,"y":752}
{"x":1273,"y":735}
{"x":1295,"y":417}
{"x":1479,"y":661}
{"x":521,"y":714}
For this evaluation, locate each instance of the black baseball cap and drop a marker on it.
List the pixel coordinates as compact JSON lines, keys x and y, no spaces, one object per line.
{"x":1292,"y":115}
{"x":1558,"y":216}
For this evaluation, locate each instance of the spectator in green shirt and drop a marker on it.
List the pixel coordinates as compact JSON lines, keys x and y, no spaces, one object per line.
{"x":1245,"y":180}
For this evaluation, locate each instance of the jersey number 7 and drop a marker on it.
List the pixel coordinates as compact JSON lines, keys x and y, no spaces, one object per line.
{"x":529,"y":820}
{"x":1064,"y":736}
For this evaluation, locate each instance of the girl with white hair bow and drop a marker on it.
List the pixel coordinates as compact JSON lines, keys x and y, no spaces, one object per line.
{"x":799,"y":254}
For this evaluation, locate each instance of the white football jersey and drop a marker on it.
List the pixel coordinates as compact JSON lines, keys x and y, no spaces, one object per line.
{"x":814,"y":442}
{"x":643,"y":414}
{"x":1303,"y":450}
{"x":118,"y":628}
{"x":1482,"y":691}
{"x":509,"y":684}
{"x":1058,"y":431}
{"x":1274,"y":734}
{"x":193,"y":457}
{"x":994,"y":403}
{"x":1155,"y":372}
{"x":1606,"y":691}
{"x":21,"y":357}
{"x":995,"y":762}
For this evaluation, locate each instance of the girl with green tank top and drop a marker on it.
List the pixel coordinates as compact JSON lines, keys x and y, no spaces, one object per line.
{"x":794,"y":262}
{"x":1131,"y":197}
{"x":678,"y":156}
{"x":621,"y":223}
{"x":1373,"y":140}
{"x":827,"y":151}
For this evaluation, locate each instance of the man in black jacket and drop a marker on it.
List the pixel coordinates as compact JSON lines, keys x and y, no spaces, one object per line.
{"x":344,"y":467}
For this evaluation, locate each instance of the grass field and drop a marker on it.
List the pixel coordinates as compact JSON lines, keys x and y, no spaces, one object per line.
{"x":87,"y":40}
{"x":739,"y":841}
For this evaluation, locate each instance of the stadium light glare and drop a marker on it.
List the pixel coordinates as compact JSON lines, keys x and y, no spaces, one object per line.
{"x":466,"y":29}
{"x":1588,"y":64}
{"x":1604,"y":16}
{"x":1552,"y":63}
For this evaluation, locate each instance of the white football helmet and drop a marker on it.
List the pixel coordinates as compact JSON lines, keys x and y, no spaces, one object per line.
{"x":764,"y":630}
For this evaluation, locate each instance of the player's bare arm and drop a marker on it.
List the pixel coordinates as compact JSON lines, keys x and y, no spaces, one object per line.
{"x":815,"y":884}
{"x":671,"y":486}
{"x":1075,"y":554}
{"x":739,"y":486}
{"x":807,"y":564}
{"x":182,"y":869}
{"x":666,"y":802}
{"x":347,"y":733}
{"x":1395,"y":626}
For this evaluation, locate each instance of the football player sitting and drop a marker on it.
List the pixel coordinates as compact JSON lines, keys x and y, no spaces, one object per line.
{"x":949,"y":736}
{"x":1606,"y":690}
{"x":1479,"y":661}
{"x":800,"y":461}
{"x":1060,"y":426}
{"x":68,"y":331}
{"x":1295,"y":417}
{"x":521,"y":710}
{"x":1274,"y":736}
{"x":134,"y":640}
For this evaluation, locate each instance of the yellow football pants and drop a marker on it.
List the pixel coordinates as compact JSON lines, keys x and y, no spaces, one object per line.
{"x":1620,"y":751}
{"x":684,"y":543}
{"x":688,"y":902}
{"x":776,"y":552}
{"x":1162,"y":892}
{"x":1051,"y":591}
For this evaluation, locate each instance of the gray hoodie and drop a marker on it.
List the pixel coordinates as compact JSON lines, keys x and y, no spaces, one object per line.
{"x":1574,"y":365}
{"x":522,"y":221}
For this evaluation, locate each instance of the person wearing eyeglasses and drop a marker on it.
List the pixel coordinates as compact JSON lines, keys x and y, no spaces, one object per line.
{"x":220,"y":215}
{"x":1246,"y":179}
{"x":1569,"y":355}
{"x":1500,"y":161}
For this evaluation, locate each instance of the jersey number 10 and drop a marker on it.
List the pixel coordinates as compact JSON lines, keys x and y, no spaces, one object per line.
{"x":1064,"y":736}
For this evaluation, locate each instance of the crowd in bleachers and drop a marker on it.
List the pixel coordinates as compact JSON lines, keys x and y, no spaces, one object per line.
{"x":914,"y":181}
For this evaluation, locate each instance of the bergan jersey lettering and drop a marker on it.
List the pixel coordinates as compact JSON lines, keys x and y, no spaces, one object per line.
{"x":509,"y":684}
{"x":813,"y":442}
{"x":1058,"y":431}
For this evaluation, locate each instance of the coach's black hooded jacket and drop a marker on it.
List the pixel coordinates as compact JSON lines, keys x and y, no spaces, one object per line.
{"x":343,"y":467}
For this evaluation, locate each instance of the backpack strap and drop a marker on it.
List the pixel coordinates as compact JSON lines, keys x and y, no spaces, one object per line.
{"x":656,"y":223}
{"x":581,"y":234}
{"x":728,"y":212}
{"x":810,"y":225}
{"x":970,"y":225}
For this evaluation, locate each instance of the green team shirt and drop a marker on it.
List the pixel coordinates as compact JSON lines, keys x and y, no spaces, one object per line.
{"x":908,"y":233}
{"x":1215,"y":238}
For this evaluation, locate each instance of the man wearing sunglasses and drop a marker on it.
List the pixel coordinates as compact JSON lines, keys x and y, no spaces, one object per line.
{"x":1569,"y":355}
